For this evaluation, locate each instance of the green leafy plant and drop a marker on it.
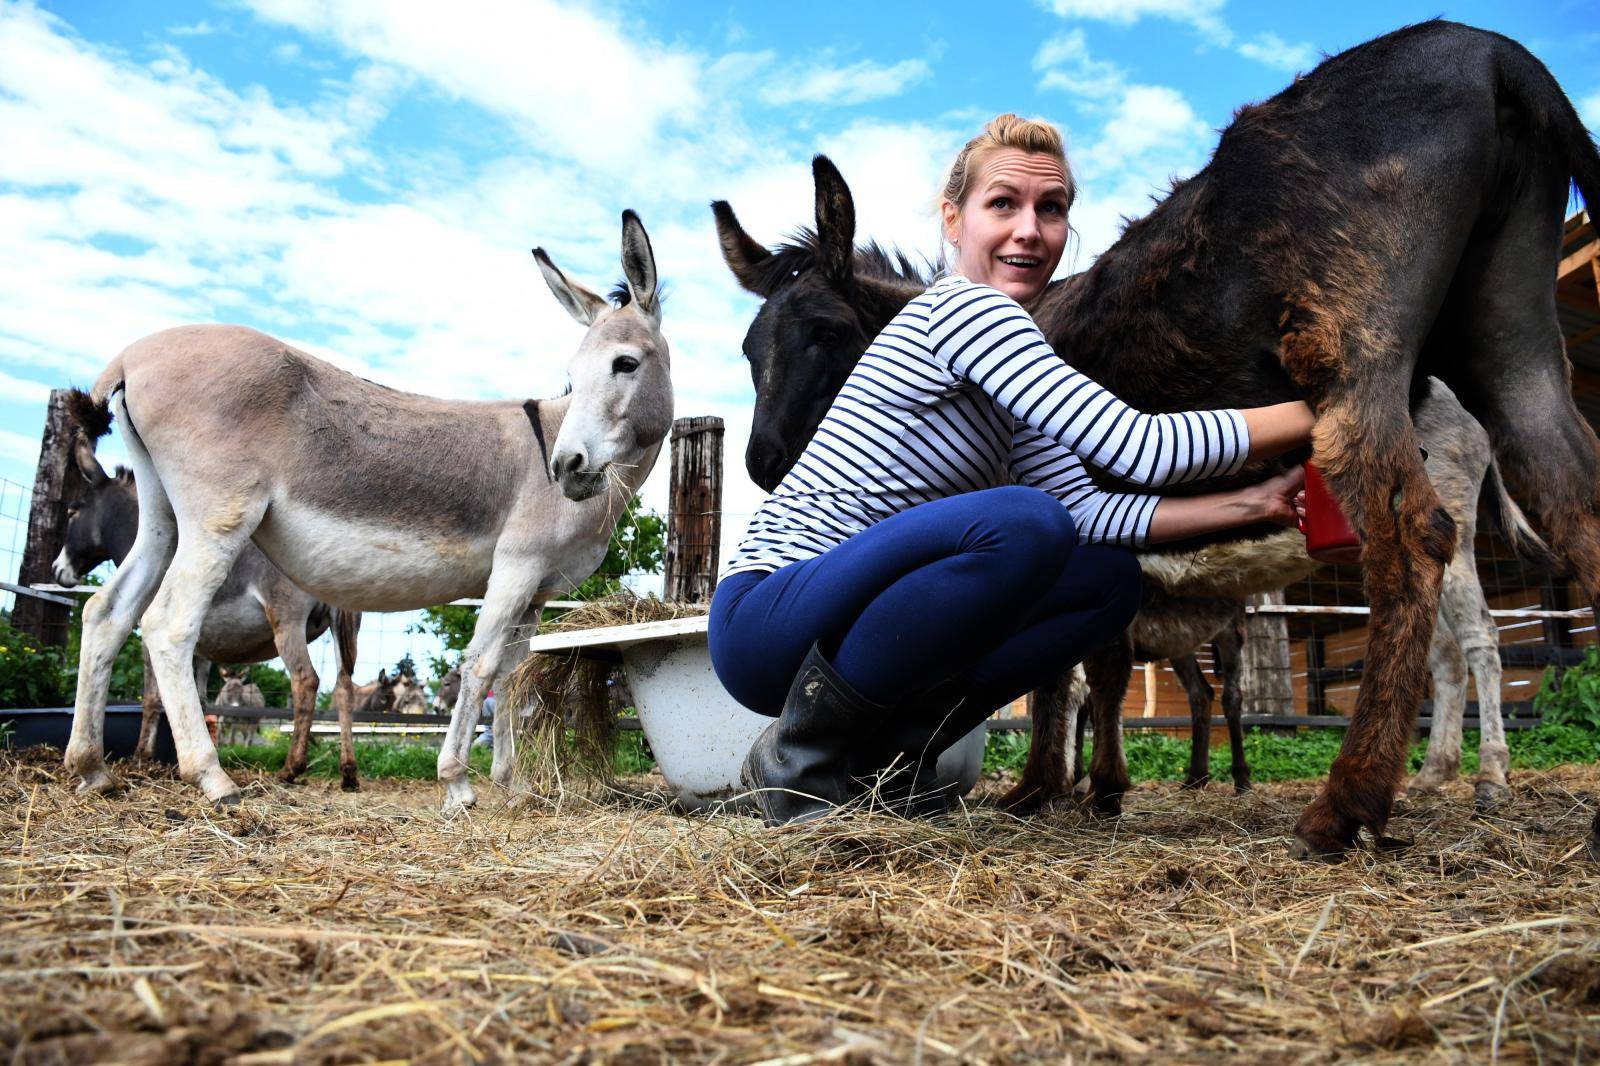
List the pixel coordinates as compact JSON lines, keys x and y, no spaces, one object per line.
{"x":638,"y":546}
{"x":1572,"y":696}
{"x":32,"y":674}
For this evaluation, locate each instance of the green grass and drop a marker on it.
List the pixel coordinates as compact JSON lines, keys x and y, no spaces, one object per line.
{"x":1307,"y":754}
{"x":1151,"y":756}
{"x":397,"y":759}
{"x":374,"y":759}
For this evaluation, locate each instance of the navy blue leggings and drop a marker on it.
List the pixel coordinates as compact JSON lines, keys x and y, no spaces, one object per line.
{"x":990,"y":587}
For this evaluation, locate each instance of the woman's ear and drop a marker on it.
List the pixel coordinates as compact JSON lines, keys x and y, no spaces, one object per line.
{"x":950,"y":214}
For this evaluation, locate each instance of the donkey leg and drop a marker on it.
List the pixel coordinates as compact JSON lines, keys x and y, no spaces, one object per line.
{"x":1045,"y":775}
{"x":1465,"y":612}
{"x":1230,"y":664}
{"x":149,"y":709}
{"x":1368,"y":452}
{"x":505,"y":755}
{"x":207,"y":548}
{"x":1509,"y":368}
{"x":1200,"y":692}
{"x":1449,"y":669}
{"x":1108,"y":671}
{"x":108,"y":618}
{"x":504,"y":603}
{"x":289,"y":636}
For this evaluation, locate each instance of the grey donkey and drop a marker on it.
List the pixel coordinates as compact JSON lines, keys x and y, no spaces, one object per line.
{"x":238,"y":437}
{"x":256,"y":614}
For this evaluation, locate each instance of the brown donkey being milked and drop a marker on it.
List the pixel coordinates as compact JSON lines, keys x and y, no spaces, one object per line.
{"x":1394,"y":214}
{"x":237,"y":437}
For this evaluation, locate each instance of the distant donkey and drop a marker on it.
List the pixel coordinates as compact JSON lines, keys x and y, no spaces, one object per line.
{"x":449,"y":689}
{"x":255,"y":615}
{"x":378,"y":696}
{"x":409,"y":697}
{"x":236,"y":437}
{"x":239,"y":691}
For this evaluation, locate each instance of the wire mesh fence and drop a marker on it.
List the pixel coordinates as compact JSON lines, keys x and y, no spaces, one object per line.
{"x":15,"y":502}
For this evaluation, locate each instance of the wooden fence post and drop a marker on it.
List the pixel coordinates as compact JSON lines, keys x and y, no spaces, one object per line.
{"x":56,"y":486}
{"x":1267,"y":682}
{"x":694,"y":515}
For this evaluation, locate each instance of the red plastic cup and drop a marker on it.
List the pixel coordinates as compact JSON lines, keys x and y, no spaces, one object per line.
{"x":1329,"y":536}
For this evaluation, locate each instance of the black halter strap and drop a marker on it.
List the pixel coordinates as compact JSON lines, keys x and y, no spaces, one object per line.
{"x":531,"y":409}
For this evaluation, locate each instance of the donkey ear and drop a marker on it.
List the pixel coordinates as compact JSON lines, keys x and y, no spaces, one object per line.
{"x":88,"y":465}
{"x":836,"y":221}
{"x":383,"y":677}
{"x":744,"y":256}
{"x":639,"y":266}
{"x":581,"y":304}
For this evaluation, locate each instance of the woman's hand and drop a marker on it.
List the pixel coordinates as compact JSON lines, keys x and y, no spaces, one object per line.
{"x":1280,"y":499}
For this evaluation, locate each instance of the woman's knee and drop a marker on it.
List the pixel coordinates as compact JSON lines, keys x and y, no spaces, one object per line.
{"x":1033,"y":522}
{"x":1124,"y":585}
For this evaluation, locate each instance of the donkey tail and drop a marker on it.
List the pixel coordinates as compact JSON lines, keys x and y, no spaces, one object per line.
{"x":1513,"y":524}
{"x":92,"y":416}
{"x":346,"y":624}
{"x":1531,"y":86}
{"x":109,"y":381}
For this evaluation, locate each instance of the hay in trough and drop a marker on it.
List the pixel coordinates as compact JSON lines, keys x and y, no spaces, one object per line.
{"x":560,"y":703}
{"x":308,"y":926}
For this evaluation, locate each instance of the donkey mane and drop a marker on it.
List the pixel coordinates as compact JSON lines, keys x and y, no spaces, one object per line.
{"x":801,"y":252}
{"x":621,"y":296}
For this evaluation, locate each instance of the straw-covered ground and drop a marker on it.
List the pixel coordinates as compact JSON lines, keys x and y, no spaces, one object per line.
{"x":312,"y":926}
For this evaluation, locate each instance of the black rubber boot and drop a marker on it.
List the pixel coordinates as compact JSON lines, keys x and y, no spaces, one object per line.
{"x":800,"y":766}
{"x":900,"y":763}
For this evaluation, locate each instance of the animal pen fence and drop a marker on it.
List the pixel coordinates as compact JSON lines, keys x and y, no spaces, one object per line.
{"x":1309,"y":642}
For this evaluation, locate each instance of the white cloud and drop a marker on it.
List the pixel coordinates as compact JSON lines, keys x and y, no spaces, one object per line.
{"x":1589,"y":109}
{"x":1275,"y":52}
{"x":1151,"y":136}
{"x":573,"y":79}
{"x":25,"y":390}
{"x":1203,"y":15}
{"x":857,"y":83}
{"x":1065,"y":64}
{"x":203,"y":28}
{"x":20,"y":450}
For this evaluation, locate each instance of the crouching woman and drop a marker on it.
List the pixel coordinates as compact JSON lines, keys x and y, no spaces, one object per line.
{"x":939,"y":548}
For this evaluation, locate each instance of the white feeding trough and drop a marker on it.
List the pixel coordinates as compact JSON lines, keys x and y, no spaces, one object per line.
{"x":700,"y":734}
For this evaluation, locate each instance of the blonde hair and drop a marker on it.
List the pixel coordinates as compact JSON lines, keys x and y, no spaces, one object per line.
{"x":1005,"y":131}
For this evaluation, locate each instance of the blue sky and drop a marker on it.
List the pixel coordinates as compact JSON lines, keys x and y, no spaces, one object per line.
{"x":364,"y":179}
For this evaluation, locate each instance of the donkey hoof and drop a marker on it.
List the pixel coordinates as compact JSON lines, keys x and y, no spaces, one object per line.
{"x":1389,"y":845}
{"x":1487,"y":795}
{"x":99,"y":782}
{"x":350,"y":783}
{"x":1241,"y":787}
{"x":287,"y":776}
{"x":1594,"y":847}
{"x":1195,"y":783}
{"x":1108,"y":806}
{"x":459,"y":797}
{"x":231,"y":799}
{"x":1317,"y":847}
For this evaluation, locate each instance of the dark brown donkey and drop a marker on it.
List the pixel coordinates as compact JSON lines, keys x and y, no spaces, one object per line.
{"x":1395,"y":213}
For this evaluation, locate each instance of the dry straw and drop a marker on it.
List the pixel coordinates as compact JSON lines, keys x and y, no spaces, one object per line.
{"x":312,"y":927}
{"x":560,"y":703}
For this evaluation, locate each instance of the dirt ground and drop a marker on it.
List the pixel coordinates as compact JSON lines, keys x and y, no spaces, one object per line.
{"x":313,"y":926}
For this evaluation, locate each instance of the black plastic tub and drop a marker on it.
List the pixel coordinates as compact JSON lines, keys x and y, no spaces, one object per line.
{"x":53,"y":726}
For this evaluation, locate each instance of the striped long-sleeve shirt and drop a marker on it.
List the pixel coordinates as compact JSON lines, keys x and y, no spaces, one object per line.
{"x":961,"y":392}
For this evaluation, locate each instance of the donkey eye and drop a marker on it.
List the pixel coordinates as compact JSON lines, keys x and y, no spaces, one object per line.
{"x":624,"y":364}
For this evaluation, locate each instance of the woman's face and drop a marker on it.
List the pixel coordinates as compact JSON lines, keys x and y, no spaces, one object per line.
{"x":1012,"y":229}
